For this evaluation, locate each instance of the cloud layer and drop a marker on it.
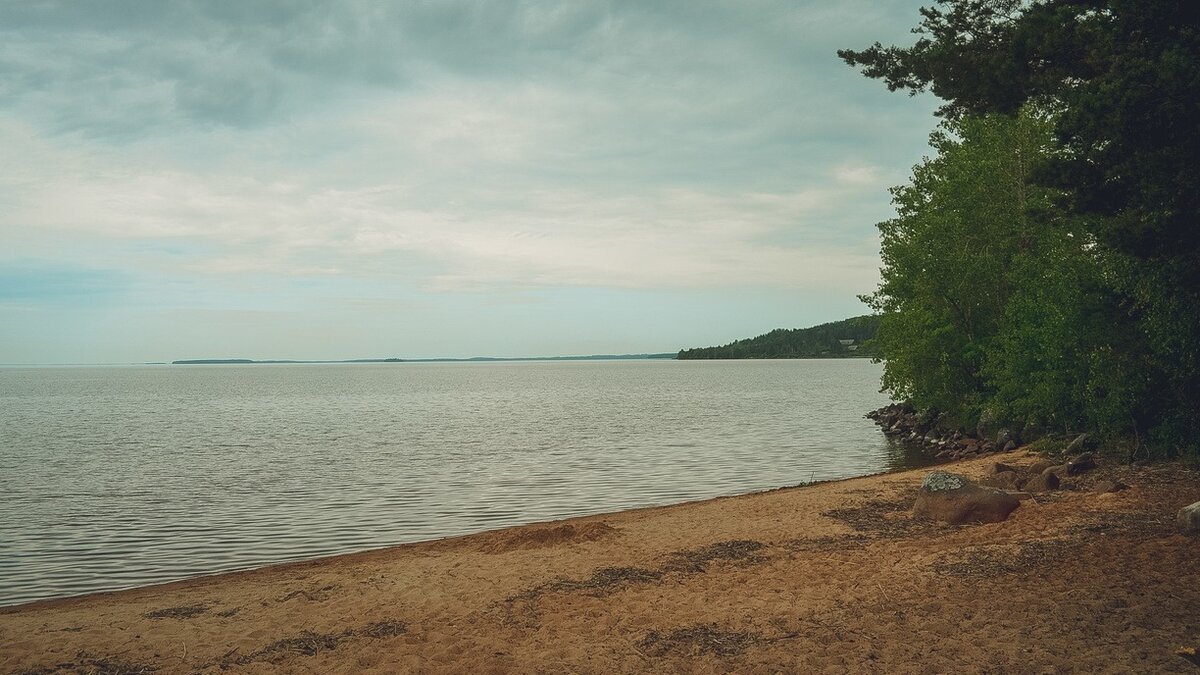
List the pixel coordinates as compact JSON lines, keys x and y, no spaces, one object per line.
{"x":438,"y":149}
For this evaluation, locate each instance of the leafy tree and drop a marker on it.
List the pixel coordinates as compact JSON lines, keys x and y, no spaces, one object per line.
{"x":1123,"y":78}
{"x":969,"y":237}
{"x":823,"y":341}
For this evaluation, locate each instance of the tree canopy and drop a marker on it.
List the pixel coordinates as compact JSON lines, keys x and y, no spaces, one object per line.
{"x":1114,"y":86}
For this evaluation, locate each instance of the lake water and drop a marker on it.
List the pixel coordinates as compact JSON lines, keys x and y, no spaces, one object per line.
{"x":112,"y":477}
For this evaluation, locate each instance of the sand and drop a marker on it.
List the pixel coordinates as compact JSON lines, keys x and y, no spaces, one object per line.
{"x":831,"y":578}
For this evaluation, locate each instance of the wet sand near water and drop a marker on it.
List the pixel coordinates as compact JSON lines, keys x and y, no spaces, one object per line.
{"x":831,"y":578}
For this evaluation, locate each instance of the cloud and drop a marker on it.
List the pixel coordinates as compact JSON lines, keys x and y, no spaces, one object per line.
{"x":450,"y":147}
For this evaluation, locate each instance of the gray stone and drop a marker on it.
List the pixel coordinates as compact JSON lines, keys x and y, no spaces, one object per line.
{"x":1189,"y":519}
{"x":1010,"y":446}
{"x":943,"y":480}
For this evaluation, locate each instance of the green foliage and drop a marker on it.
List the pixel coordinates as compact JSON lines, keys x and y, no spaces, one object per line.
{"x":823,"y":341}
{"x":1100,"y":329}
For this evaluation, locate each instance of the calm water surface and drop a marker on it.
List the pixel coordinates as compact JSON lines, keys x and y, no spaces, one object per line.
{"x":113,"y":477}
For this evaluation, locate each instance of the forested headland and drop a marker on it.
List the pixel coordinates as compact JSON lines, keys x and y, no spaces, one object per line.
{"x":1042,"y":272}
{"x":848,"y":338}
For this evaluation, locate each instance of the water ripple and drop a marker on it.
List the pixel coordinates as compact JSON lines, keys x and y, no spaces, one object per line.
{"x":117,"y":477}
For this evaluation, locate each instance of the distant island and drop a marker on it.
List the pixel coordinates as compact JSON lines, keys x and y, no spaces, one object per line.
{"x":849,"y":338}
{"x":473,"y":359}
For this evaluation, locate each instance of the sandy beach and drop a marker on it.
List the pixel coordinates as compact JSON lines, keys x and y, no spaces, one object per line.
{"x":830,"y":578}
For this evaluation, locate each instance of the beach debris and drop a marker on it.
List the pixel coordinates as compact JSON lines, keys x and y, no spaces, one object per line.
{"x":184,"y":612}
{"x":604,"y":580}
{"x":995,"y":561}
{"x":697,"y":560}
{"x":318,"y":595}
{"x":309,"y":643}
{"x":1189,"y":519}
{"x":92,"y":665}
{"x":536,"y":537}
{"x":306,"y":643}
{"x":1043,"y":482}
{"x":703,"y":638}
{"x":952,"y":498}
{"x":879,"y":517}
{"x":386,"y":628}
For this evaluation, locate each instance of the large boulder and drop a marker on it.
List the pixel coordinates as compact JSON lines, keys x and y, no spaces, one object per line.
{"x":1004,"y":437}
{"x":1189,"y":519}
{"x":954,"y":499}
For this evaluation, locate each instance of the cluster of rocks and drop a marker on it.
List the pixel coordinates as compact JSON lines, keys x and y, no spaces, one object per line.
{"x":1045,"y":476}
{"x":955,"y":499}
{"x":931,"y":432}
{"x":921,"y":429}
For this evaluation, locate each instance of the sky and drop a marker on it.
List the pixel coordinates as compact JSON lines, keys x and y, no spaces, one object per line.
{"x":350,"y":178}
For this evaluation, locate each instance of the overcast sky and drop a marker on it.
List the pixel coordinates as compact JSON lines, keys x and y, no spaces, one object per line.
{"x":352,"y":178}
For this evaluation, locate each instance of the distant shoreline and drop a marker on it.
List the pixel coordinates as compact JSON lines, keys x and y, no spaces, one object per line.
{"x":473,"y":359}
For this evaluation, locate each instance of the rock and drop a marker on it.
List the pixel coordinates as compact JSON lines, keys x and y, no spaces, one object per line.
{"x":1042,"y":482}
{"x":1059,"y":470}
{"x":1004,"y":436}
{"x":1040,"y":466}
{"x":1004,"y":480}
{"x":1106,"y":486}
{"x":1188,"y":519}
{"x":1010,"y":446}
{"x":1081,"y":442}
{"x":953,"y":499}
{"x":1082,"y":463}
{"x":1032,"y":431}
{"x":1001,"y":468}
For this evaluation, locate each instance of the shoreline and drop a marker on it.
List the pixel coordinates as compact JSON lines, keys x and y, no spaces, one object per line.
{"x":834,"y":576}
{"x":46,"y":603}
